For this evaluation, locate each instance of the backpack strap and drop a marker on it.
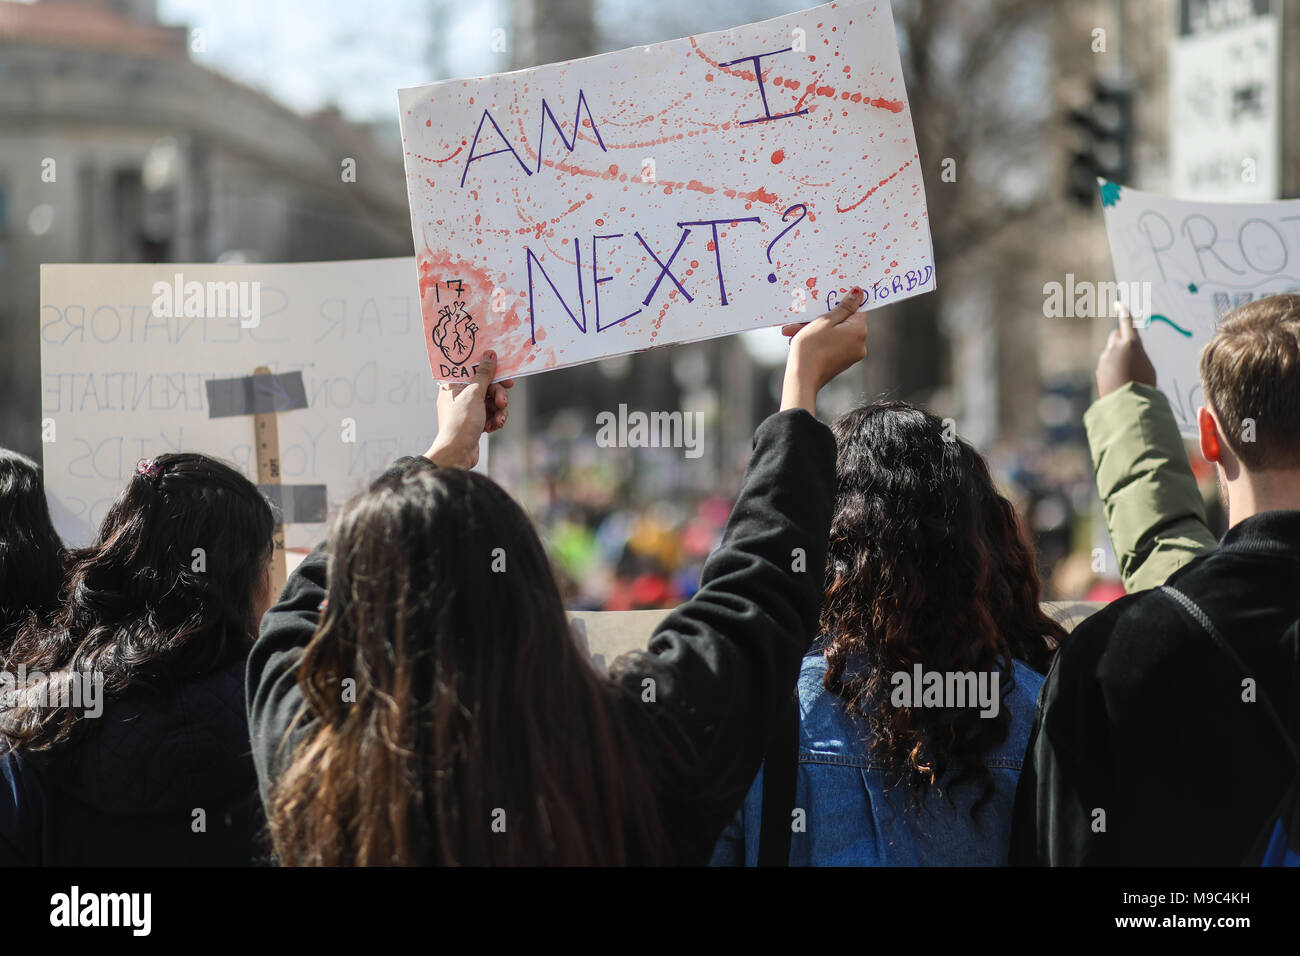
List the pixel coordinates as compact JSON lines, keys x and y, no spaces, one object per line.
{"x":1194,"y":611}
{"x":780,"y":768}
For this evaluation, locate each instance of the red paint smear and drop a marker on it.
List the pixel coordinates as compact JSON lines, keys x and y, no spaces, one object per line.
{"x":445,"y":159}
{"x":760,"y":195}
{"x":874,"y":188}
{"x":496,"y":330}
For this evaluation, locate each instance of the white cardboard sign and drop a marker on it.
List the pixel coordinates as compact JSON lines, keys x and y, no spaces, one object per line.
{"x":120,"y":382}
{"x":1182,"y":265}
{"x":665,"y":194}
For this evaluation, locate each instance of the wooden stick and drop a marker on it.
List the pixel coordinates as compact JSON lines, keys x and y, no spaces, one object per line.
{"x":266,"y":432}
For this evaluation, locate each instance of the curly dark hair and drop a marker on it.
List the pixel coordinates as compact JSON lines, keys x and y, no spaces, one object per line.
{"x":32,"y":557}
{"x":927,"y":564}
{"x":136,"y":607}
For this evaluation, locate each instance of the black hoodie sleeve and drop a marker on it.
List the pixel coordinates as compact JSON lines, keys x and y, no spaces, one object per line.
{"x":1068,"y":774}
{"x":272,"y":691}
{"x":271,"y":683}
{"x":720,"y":669}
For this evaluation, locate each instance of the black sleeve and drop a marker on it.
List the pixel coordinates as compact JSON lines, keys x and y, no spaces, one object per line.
{"x":20,"y":805}
{"x":1068,"y":776}
{"x":703,"y":697}
{"x":273,"y":695}
{"x":271,"y":684}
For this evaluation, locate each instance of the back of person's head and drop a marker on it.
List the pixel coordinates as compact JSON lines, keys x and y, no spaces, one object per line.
{"x":927,"y":565}
{"x":31,"y":554}
{"x":1250,"y":374}
{"x":169,"y":589}
{"x":459,"y":722}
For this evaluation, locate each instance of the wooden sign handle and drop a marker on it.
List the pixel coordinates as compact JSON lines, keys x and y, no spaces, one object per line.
{"x":266,"y":432}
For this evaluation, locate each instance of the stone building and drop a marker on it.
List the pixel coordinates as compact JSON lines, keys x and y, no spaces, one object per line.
{"x":115,"y":146}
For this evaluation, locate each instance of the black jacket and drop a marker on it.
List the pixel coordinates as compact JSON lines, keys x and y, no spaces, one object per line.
{"x":1142,"y":717}
{"x":724,"y":664}
{"x":126,"y":792}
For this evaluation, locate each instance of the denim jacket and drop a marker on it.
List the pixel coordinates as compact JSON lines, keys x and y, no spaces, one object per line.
{"x":854,"y":816}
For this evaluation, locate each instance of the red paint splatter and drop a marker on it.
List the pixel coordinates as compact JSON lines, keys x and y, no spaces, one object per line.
{"x":874,"y":188}
{"x":759,"y":195}
{"x":777,"y":157}
{"x":496,"y":330}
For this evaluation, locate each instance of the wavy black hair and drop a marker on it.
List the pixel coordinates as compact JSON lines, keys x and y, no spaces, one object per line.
{"x":31,"y":554}
{"x":166,"y":592}
{"x":927,"y":564}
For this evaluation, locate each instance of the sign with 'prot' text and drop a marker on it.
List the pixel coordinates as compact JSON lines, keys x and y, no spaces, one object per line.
{"x":664,"y":194}
{"x":1191,"y":263}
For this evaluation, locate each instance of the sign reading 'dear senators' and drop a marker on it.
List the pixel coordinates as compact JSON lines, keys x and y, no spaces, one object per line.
{"x":665,"y":194}
{"x":1183,"y":265}
{"x":138,"y":360}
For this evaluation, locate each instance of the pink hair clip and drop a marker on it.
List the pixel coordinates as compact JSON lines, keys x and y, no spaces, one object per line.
{"x":149,"y":468}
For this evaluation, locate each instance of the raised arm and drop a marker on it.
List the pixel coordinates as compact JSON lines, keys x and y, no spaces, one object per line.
{"x":719,"y":670}
{"x":275,"y":700}
{"x":1153,"y":509}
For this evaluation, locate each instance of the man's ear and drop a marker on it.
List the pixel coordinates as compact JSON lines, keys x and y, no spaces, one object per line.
{"x":1208,"y":428}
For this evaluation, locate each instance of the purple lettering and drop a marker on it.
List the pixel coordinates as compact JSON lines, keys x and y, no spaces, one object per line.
{"x":577,"y":118}
{"x":487,"y":117}
{"x":666,"y":270}
{"x":598,"y":280}
{"x":530,"y":258}
{"x":717,"y":244}
{"x":758,"y":75}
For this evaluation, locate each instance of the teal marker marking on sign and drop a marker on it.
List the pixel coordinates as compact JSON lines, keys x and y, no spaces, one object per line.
{"x":1110,"y":193}
{"x":1173,"y":325}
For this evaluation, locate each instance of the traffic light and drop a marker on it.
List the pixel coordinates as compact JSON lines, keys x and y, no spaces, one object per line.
{"x":1105,"y":130}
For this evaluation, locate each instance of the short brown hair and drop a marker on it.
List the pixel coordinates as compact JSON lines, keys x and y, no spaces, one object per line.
{"x":1250,"y":371}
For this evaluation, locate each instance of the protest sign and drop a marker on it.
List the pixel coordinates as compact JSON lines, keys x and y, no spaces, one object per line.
{"x":137,"y":360}
{"x":1181,"y":265}
{"x":665,"y":194}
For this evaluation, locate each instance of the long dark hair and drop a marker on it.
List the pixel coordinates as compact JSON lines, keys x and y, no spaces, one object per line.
{"x":166,"y":592}
{"x":31,"y":554}
{"x":927,"y":564}
{"x":459,"y":722}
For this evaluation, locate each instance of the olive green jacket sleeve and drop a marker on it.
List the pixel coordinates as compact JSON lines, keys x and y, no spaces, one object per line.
{"x":1154,"y":511}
